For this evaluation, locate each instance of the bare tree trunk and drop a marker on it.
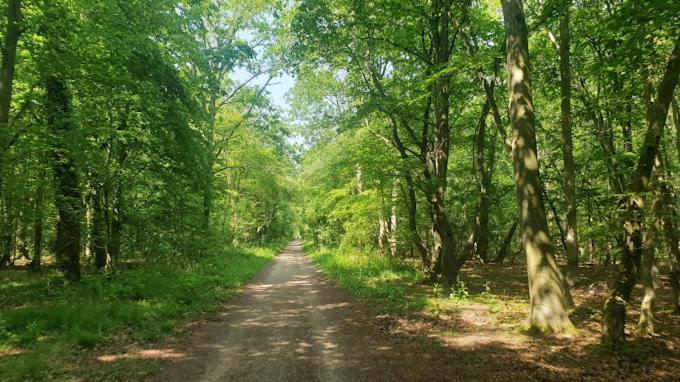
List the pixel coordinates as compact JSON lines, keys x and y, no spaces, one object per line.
{"x":669,"y":216}
{"x":676,"y":122}
{"x":648,"y":262}
{"x":485,"y":167}
{"x":117,"y":213}
{"x":37,"y":230}
{"x":507,"y":241}
{"x":547,"y":305}
{"x":571,"y":239}
{"x":438,"y":158}
{"x":383,"y":227}
{"x":98,"y":239}
{"x":416,"y":239}
{"x":9,"y":53}
{"x":208,"y":191}
{"x":22,"y":242}
{"x":393,"y":218}
{"x":68,"y":201}
{"x":614,"y":312}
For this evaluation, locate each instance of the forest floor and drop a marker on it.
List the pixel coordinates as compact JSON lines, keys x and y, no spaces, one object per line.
{"x":341,"y":316}
{"x":293,"y":323}
{"x":51,"y":330}
{"x":478,"y":329}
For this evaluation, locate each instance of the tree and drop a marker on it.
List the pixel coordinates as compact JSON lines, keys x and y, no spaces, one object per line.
{"x":547,"y":303}
{"x":614,"y":312}
{"x":68,"y":195}
{"x":9,"y":54}
{"x":571,"y":238}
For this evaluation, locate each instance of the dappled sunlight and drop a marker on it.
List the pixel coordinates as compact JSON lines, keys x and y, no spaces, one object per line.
{"x":144,"y":354}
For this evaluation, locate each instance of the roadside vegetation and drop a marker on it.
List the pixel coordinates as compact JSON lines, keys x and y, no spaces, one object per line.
{"x":47,"y":325}
{"x":487,"y":310}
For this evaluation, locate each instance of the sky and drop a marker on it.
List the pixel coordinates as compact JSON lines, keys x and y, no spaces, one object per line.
{"x":276,"y":91}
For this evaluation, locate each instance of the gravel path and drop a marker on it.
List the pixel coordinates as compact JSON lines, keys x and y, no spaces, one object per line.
{"x":291,"y":324}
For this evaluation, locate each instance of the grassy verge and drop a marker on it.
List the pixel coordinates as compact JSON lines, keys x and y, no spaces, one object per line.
{"x":46,"y":326}
{"x":397,"y":288}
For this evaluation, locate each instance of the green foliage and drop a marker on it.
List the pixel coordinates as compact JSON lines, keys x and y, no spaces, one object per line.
{"x":364,"y":274}
{"x":460,"y":291}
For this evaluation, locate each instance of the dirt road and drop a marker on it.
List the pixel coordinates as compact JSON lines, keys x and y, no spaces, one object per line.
{"x":291,"y":324}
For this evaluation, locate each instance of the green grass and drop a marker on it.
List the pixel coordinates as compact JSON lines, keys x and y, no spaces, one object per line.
{"x":397,"y":288}
{"x":45,"y":324}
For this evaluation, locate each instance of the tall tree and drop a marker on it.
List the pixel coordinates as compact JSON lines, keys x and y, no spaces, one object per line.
{"x":571,"y":237}
{"x":68,"y":195}
{"x":9,"y":54}
{"x":614,"y":313}
{"x":547,"y":302}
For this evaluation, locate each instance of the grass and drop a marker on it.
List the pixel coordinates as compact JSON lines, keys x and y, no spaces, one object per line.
{"x":46,"y":323}
{"x":397,"y":288}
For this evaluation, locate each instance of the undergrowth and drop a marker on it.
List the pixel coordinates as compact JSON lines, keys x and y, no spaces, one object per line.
{"x":396,"y":287}
{"x":44,"y":320}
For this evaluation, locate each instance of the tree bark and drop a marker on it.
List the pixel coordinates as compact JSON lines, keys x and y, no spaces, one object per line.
{"x":507,"y":241}
{"x":669,"y":216}
{"x":438,"y":158}
{"x":36,"y":262}
{"x":208,"y":192}
{"x":68,"y":201}
{"x":416,"y":239}
{"x":98,"y":232}
{"x":118,"y":203}
{"x":485,"y":164}
{"x":676,"y":123}
{"x":648,"y":263}
{"x":9,"y":53}
{"x":614,"y":312}
{"x":393,"y":218}
{"x":547,"y":305}
{"x":571,"y":238}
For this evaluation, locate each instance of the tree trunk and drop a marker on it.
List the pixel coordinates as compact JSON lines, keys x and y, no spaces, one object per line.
{"x":507,"y":241}
{"x":9,"y":53}
{"x":22,"y":242}
{"x":676,"y":123}
{"x":416,"y":239}
{"x":547,"y":305}
{"x":116,"y":224}
{"x":571,"y":238}
{"x":118,"y":204}
{"x":68,"y":201}
{"x":614,"y":312}
{"x":37,"y":230}
{"x":669,"y":216}
{"x":393,"y":218}
{"x":208,"y":192}
{"x":98,"y":239}
{"x":6,"y":235}
{"x":648,"y":262}
{"x":383,"y":226}
{"x":438,"y":158}
{"x":486,"y":167}
{"x":648,"y":265}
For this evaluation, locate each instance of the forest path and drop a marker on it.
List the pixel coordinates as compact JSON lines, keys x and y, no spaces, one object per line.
{"x":291,"y":324}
